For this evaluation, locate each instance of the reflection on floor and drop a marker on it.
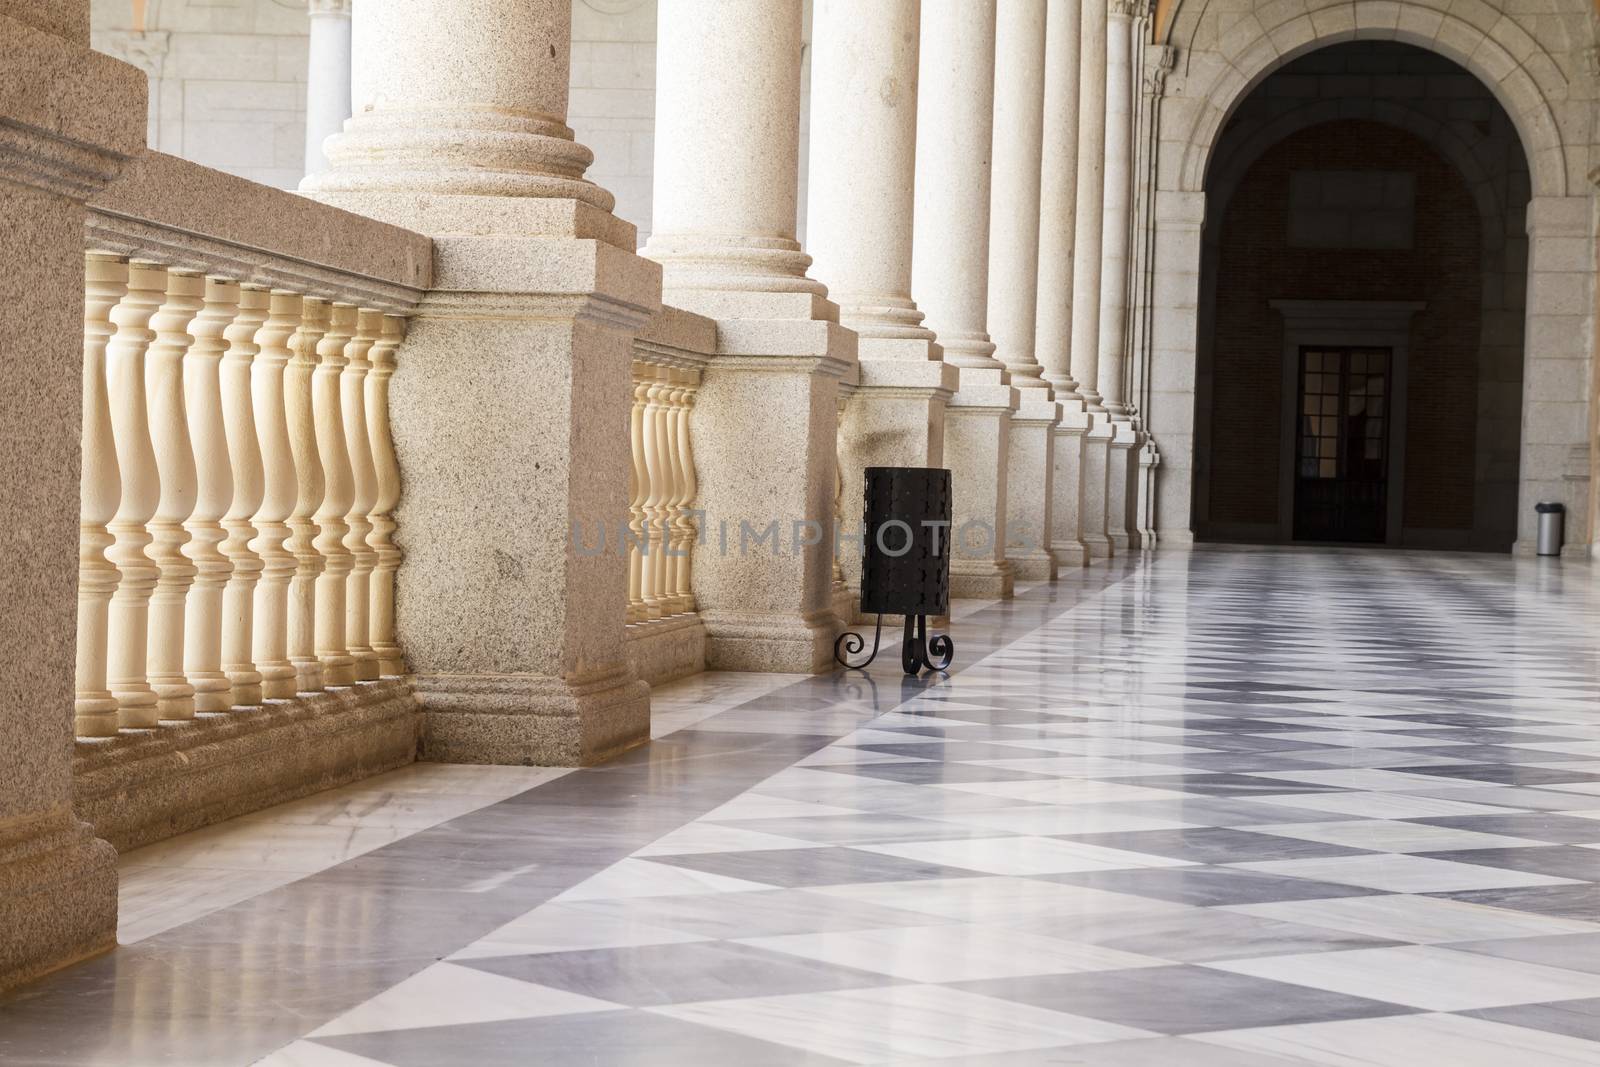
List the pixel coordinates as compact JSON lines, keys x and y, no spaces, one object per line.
{"x":1232,"y":809}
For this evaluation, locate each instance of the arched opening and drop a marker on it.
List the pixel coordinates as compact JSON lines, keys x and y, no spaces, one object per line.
{"x":1361,"y":307}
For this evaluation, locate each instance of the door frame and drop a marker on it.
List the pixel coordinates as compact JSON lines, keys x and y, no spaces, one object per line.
{"x":1345,"y":324}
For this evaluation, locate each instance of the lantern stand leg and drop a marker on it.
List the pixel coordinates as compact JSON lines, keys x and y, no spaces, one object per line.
{"x":850,"y":643}
{"x":917,"y":653}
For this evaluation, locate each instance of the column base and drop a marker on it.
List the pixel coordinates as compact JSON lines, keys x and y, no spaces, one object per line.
{"x":1030,"y":486}
{"x":532,"y":720}
{"x":58,"y":899}
{"x":775,"y":642}
{"x":1096,"y":460}
{"x":996,"y":582}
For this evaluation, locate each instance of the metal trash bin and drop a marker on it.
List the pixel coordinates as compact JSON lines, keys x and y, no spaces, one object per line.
{"x":1551,"y":519}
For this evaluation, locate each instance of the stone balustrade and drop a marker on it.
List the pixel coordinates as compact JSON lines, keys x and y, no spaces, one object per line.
{"x":665,"y":636}
{"x":239,"y":476}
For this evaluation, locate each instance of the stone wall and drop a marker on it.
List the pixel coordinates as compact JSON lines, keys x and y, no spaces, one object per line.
{"x":1397,"y":115}
{"x":1539,"y":66}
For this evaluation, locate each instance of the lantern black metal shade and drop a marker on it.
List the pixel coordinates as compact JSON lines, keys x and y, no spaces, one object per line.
{"x":905,"y":566}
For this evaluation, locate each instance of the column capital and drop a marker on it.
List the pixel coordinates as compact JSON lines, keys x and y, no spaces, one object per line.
{"x":1125,"y":9}
{"x":1159,"y":61}
{"x":328,"y":8}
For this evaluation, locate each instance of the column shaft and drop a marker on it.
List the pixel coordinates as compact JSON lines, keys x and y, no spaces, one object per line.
{"x":1014,"y":241}
{"x":859,"y":233}
{"x":950,"y":268}
{"x":1121,"y":461}
{"x":327,"y":78}
{"x":1086,"y":268}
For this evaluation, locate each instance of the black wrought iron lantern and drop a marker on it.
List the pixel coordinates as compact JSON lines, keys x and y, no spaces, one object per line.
{"x":905,"y":563}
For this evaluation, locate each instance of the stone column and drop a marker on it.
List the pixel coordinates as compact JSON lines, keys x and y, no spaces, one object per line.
{"x":1122,"y":463}
{"x":1086,"y":268}
{"x":764,"y":434}
{"x":858,"y":229}
{"x":510,"y":404}
{"x":58,"y":882}
{"x":950,"y":278}
{"x":1058,"y":212}
{"x":327,"y":78}
{"x":1014,"y":241}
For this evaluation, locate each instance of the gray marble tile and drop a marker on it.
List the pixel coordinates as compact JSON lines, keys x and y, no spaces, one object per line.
{"x":1183,"y":999}
{"x":620,"y":1038}
{"x":1214,"y":844}
{"x":644,"y":975}
{"x":1570,"y":1018}
{"x":791,"y":868}
{"x":1208,"y":886}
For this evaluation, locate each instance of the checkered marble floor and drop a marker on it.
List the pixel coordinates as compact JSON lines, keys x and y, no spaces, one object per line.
{"x":1227,"y":809}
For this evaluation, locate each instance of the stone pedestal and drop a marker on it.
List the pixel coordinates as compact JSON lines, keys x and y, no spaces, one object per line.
{"x":511,"y":398}
{"x":766,"y":421}
{"x":1066,"y":540}
{"x":1096,"y":463}
{"x":1122,"y":469}
{"x":58,"y":882}
{"x":977,"y":449}
{"x":1030,"y":487}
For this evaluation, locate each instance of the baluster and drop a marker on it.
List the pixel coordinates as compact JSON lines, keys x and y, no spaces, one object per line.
{"x":249,"y":486}
{"x":638,"y":492}
{"x":280,"y":488}
{"x":202,"y":395}
{"x":653,"y":587}
{"x":100,"y":490}
{"x":673,"y":427}
{"x":685,"y":531}
{"x":169,"y":432}
{"x":129,"y":618}
{"x":297,"y":392}
{"x":338,"y":666}
{"x":390,"y":659}
{"x":364,"y":478}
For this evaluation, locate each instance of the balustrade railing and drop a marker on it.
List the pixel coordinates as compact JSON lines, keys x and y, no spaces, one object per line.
{"x":662,"y":523}
{"x":239,"y":478}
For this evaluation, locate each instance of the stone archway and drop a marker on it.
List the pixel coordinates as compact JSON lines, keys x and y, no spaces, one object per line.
{"x":1217,"y":57}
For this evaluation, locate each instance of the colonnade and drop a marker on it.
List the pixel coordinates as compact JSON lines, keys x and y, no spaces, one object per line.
{"x":969,"y":214}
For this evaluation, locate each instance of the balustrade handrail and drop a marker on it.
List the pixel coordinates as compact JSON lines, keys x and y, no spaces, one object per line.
{"x":190,"y":217}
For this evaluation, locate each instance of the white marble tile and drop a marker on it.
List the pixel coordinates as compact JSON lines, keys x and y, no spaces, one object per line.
{"x":641,"y":878}
{"x":1386,"y":835}
{"x":1412,"y":1041}
{"x":703,"y":837}
{"x":952,"y":952}
{"x":996,"y":899}
{"x":1022,"y":855}
{"x":1423,"y":976}
{"x":1383,"y":805}
{"x":1063,"y":819}
{"x":1402,"y":873}
{"x":446,"y":994}
{"x":899,"y":1022}
{"x":151,"y":900}
{"x":1067,"y":791}
{"x":562,"y":928}
{"x":265,"y":846}
{"x":311,"y":1054}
